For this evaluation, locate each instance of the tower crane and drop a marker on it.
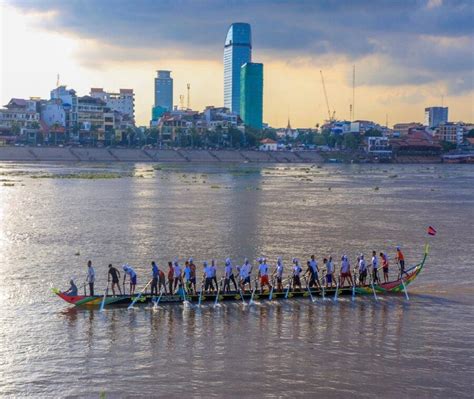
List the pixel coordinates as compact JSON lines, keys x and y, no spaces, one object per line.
{"x":333,"y":115}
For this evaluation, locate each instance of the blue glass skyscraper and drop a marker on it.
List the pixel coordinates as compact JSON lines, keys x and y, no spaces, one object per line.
{"x":237,"y":52}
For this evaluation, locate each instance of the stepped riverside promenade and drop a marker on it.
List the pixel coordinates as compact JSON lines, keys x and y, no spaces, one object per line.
{"x":81,"y":154}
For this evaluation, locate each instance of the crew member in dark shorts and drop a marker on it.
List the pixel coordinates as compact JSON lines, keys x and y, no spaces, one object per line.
{"x":384,"y":266}
{"x":375,"y":267}
{"x":313,"y":272}
{"x":296,"y":274}
{"x":208,"y":277}
{"x":114,"y":274}
{"x":229,"y":276}
{"x":155,"y":276}
{"x":279,"y":274}
{"x":192,"y":280}
{"x":362,"y":266}
{"x":401,"y":261}
{"x":90,"y":277}
{"x":170,"y":277}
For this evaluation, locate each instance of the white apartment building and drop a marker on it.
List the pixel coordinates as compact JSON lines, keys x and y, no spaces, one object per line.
{"x":123,"y":101}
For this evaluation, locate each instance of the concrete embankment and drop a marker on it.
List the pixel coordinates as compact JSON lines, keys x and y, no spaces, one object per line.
{"x":64,"y":154}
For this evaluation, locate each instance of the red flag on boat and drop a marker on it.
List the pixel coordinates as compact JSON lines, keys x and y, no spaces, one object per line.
{"x":431,"y":231}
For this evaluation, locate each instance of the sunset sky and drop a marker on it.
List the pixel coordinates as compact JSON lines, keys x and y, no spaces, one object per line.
{"x":408,"y":54}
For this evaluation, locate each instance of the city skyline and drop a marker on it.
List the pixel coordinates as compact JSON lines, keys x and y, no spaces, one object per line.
{"x":391,"y":82}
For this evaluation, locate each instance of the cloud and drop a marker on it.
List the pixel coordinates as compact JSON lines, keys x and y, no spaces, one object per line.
{"x":419,"y":41}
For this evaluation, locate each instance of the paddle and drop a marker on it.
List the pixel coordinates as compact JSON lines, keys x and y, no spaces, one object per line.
{"x":139,"y":295}
{"x":288,"y":288}
{"x":270,"y":296}
{"x":200,"y":294}
{"x":373,"y":288}
{"x":309,"y":290}
{"x":251,"y":302}
{"x":405,"y":289}
{"x":337,"y":290}
{"x":103,"y":299}
{"x":218,"y":291}
{"x":158,"y":300}
{"x":353,"y":287}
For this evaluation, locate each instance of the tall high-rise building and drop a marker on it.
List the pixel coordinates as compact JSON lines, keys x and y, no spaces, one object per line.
{"x":251,"y":94}
{"x":237,"y":52}
{"x":435,"y":116}
{"x":164,"y":90}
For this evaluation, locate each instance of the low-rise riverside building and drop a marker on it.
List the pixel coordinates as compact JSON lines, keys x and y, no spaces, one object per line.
{"x":450,"y":132}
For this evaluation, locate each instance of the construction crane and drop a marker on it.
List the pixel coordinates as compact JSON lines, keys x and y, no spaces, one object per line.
{"x":333,"y":115}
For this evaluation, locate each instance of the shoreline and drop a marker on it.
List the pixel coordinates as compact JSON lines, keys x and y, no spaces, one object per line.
{"x":82,"y":154}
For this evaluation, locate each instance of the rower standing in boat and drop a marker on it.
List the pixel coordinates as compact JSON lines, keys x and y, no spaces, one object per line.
{"x":187,"y":276}
{"x":115,"y":275}
{"x":229,"y":276}
{"x":208,"y":273}
{"x":401,"y":261}
{"x":375,"y":266}
{"x":329,"y":271}
{"x":296,"y":274}
{"x":263,"y":275}
{"x":245,"y":273}
{"x":170,"y":277}
{"x":90,"y":277}
{"x":279,"y":274}
{"x":362,"y":266}
{"x":214,"y":273}
{"x":345,"y":271}
{"x":132,"y":276}
{"x":313,"y":271}
{"x":155,"y":277}
{"x":177,"y":275}
{"x":192,"y":280}
{"x":384,"y":266}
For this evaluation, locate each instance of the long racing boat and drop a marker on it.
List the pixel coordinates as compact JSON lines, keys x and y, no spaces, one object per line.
{"x":395,"y":286}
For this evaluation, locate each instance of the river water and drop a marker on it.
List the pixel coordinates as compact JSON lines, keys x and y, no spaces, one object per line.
{"x":53,"y":218}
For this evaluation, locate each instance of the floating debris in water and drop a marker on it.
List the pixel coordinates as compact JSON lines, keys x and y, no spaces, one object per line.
{"x":376,"y":188}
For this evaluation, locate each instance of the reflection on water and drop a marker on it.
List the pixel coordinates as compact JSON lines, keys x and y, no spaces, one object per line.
{"x":389,"y":348}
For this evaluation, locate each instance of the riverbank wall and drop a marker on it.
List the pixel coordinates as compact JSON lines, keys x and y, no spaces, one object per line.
{"x":80,"y":154}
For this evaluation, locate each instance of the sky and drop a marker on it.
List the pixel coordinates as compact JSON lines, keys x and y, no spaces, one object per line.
{"x":408,"y":55}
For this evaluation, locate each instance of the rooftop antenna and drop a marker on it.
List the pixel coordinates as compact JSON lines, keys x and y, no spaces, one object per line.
{"x":189,"y":96}
{"x":181,"y":101}
{"x":442,"y":100}
{"x":57,"y":80}
{"x":386,"y":120}
{"x":353,"y":90}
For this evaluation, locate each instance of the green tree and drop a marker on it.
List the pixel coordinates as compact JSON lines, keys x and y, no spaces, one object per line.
{"x":470,"y":133}
{"x":351,"y":141}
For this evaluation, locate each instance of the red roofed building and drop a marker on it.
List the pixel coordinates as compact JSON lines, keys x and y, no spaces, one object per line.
{"x":268,"y":145}
{"x":416,"y":142}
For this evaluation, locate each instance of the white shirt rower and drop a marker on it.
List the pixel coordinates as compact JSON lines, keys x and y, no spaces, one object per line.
{"x":279,"y":268}
{"x":228,"y":269}
{"x":345,"y":266}
{"x":375,"y":262}
{"x":362,"y":265}
{"x":176,"y":270}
